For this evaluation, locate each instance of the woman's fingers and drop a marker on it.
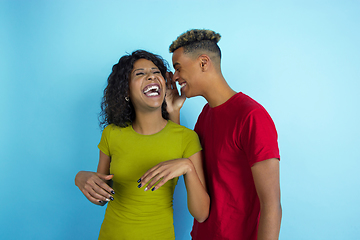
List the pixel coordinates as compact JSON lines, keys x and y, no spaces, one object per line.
{"x":153,"y":185}
{"x":157,"y":181}
{"x":173,"y":83}
{"x":100,"y":181}
{"x":94,"y":200}
{"x":152,"y":176}
{"x":157,"y":176}
{"x":93,"y":187}
{"x":98,"y":192}
{"x":148,"y":175}
{"x":169,"y":81}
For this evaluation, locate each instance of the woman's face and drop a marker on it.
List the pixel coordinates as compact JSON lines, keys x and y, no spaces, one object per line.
{"x":147,"y":86}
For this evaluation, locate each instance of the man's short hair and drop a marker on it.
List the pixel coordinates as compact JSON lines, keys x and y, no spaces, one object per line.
{"x":197,"y":40}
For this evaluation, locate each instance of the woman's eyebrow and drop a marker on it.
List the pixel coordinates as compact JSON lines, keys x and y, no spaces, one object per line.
{"x":138,"y":69}
{"x":142,"y":69}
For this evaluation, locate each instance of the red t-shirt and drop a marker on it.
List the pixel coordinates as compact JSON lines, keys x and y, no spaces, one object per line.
{"x":234,"y":136}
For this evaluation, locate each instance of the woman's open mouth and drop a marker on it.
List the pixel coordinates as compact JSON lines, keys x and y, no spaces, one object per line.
{"x":152,"y":90}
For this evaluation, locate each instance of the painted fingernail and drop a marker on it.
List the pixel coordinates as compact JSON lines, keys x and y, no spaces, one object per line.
{"x":139,"y":180}
{"x":111,"y":198}
{"x":112,"y":192}
{"x":139,"y":186}
{"x":108,"y":200}
{"x":153,"y":189}
{"x":101,"y":202}
{"x":145,"y":189}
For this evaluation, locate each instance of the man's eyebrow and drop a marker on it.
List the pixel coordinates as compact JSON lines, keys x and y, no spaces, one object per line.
{"x":175,"y":64}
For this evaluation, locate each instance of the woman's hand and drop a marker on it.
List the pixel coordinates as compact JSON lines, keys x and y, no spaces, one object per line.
{"x":165,"y":171}
{"x":93,"y":185}
{"x":197,"y":196}
{"x":173,"y":100}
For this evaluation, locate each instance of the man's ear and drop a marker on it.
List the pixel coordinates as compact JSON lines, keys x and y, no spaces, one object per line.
{"x":205,"y":62}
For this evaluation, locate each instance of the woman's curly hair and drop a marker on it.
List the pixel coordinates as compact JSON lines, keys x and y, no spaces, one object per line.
{"x":114,"y":108}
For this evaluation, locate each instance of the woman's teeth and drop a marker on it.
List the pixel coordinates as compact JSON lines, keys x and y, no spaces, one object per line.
{"x":152,"y":94}
{"x":152,"y":90}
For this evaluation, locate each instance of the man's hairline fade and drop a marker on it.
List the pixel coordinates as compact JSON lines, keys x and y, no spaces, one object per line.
{"x":196,"y":42}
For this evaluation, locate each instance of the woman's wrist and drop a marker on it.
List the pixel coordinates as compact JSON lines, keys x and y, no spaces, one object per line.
{"x":189,"y":167}
{"x":175,"y":116}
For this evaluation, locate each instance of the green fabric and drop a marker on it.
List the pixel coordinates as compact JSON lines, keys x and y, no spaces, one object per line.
{"x":134,"y":213}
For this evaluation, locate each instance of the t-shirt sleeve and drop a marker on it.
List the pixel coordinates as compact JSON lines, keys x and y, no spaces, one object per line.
{"x":259,"y":137}
{"x":104,"y":141}
{"x":191,"y":143}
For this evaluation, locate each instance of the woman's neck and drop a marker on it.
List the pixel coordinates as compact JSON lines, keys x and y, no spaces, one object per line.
{"x":148,"y":123}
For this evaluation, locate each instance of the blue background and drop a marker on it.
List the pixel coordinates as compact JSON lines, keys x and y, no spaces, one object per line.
{"x":299,"y":59}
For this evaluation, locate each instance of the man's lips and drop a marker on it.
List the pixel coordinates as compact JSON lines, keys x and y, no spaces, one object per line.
{"x":183,"y":84}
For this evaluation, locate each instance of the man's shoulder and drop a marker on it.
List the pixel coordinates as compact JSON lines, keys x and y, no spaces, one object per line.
{"x":244,"y":100}
{"x":246,"y":105}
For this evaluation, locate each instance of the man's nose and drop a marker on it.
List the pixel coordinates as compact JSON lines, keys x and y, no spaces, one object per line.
{"x":176,"y":76}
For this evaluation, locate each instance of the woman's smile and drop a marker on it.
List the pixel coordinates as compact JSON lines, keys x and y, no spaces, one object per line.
{"x":152,"y":90}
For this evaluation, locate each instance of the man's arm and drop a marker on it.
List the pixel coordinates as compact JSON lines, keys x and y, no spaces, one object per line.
{"x":266,"y":178}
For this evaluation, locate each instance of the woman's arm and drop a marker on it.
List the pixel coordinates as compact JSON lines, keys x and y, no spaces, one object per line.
{"x":94,"y":185}
{"x":197,"y":196}
{"x":174,"y":101}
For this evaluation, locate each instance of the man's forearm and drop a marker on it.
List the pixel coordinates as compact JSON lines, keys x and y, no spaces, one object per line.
{"x":269,"y":224}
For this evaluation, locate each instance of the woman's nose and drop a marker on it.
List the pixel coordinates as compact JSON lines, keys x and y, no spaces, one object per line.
{"x":150,"y":76}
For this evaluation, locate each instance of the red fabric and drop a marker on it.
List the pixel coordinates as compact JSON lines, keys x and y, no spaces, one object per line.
{"x":234,"y":136}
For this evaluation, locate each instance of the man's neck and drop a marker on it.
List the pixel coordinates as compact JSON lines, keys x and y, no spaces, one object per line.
{"x":219,"y":92}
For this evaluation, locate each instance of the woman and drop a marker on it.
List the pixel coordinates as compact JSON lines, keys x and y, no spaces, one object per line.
{"x":140,"y":141}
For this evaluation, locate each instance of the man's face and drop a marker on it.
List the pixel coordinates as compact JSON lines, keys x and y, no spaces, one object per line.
{"x":186,"y":73}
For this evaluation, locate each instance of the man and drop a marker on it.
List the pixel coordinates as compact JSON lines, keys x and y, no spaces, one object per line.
{"x":239,"y":139}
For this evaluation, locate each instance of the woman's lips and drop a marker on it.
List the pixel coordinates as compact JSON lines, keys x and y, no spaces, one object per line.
{"x":152,"y":90}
